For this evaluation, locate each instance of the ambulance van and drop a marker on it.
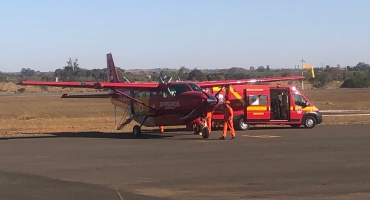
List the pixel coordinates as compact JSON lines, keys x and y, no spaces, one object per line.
{"x":266,"y":104}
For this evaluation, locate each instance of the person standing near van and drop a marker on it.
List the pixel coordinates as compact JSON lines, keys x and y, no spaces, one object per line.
{"x":228,"y":121}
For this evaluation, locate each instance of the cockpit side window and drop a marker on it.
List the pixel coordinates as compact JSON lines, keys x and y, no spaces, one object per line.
{"x":177,"y":89}
{"x":195,"y":87}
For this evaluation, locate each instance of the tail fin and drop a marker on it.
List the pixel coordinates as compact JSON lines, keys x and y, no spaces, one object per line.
{"x":112,"y":70}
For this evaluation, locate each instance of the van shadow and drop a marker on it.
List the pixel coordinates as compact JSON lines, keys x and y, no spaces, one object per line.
{"x":272,"y":128}
{"x":169,"y":133}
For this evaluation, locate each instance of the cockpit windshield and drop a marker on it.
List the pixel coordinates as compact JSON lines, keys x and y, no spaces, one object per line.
{"x":195,"y":87}
{"x":177,"y":89}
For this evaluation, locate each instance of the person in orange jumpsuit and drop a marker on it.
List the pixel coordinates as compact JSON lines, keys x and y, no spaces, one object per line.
{"x":209,"y":121}
{"x":161,"y":129}
{"x":228,"y":121}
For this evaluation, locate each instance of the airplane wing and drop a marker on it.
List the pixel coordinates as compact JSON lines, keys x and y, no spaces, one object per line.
{"x":104,"y":95}
{"x":94,"y":85}
{"x":246,"y":81}
{"x":59,"y":84}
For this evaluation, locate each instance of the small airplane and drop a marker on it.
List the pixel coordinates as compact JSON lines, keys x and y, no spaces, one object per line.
{"x":163,"y":103}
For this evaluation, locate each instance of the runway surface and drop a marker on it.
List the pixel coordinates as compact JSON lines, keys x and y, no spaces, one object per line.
{"x":327,"y":162}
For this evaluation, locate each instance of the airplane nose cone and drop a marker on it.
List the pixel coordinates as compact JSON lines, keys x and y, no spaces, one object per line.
{"x":211,"y":100}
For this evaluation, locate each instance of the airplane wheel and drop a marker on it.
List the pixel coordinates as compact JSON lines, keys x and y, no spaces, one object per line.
{"x":205,"y":133}
{"x":136,"y":131}
{"x":196,"y":129}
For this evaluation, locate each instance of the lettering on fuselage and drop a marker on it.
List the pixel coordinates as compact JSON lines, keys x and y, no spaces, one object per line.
{"x":170,"y":105}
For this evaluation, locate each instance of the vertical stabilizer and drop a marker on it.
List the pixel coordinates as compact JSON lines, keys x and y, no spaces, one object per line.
{"x":112,"y":70}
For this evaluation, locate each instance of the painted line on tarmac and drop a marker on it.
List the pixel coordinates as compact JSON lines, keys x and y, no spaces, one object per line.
{"x":262,"y":136}
{"x":205,"y":141}
{"x":346,"y":115}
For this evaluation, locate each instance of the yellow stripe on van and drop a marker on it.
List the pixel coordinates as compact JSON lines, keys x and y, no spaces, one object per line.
{"x":308,"y":108}
{"x":254,"y":108}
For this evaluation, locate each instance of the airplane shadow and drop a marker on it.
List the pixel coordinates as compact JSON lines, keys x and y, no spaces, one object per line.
{"x":103,"y":135}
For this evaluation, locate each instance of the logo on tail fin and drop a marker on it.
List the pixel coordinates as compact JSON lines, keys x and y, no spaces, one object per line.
{"x":112,"y":70}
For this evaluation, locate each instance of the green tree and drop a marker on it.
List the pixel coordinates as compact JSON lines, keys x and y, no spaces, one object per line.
{"x":197,"y":75}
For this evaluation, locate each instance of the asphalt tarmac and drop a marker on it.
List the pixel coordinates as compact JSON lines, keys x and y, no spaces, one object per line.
{"x":327,"y":162}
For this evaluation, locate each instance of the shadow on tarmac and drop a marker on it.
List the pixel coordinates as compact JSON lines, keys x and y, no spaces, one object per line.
{"x":146,"y":134}
{"x":169,"y":133}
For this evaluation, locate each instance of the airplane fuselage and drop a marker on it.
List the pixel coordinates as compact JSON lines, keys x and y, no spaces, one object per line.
{"x":177,"y":105}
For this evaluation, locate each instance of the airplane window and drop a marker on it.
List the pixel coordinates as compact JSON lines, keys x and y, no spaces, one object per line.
{"x":164,"y":94}
{"x":147,"y":95}
{"x":195,"y":87}
{"x":154,"y":94}
{"x":177,"y":89}
{"x":140,"y":95}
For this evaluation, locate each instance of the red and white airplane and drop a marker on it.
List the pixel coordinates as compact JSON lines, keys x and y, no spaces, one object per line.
{"x":163,"y":103}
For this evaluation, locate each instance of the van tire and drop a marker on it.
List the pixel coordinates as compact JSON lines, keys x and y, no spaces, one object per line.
{"x":309,"y":122}
{"x":241,"y":125}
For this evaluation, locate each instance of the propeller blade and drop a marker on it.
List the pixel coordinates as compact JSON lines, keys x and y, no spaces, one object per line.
{"x":219,"y":91}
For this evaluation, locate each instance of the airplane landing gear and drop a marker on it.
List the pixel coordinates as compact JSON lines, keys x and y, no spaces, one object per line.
{"x":202,"y":128}
{"x":137,"y":129}
{"x":205,"y":132}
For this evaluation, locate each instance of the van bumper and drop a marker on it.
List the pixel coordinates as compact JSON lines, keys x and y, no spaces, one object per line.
{"x":319,"y":117}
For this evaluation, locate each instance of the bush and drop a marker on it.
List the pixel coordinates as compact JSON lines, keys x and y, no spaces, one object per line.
{"x":356,"y":83}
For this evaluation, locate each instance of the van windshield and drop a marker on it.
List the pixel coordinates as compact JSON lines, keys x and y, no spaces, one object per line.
{"x":299,"y":100}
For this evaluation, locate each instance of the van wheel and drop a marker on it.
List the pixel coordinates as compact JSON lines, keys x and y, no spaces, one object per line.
{"x":310,"y":122}
{"x":241,"y":125}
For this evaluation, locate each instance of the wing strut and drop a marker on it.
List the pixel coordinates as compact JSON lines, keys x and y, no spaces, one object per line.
{"x":134,"y":99}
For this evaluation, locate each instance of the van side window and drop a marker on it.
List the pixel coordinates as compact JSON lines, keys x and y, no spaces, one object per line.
{"x":299,"y":100}
{"x":258,"y":100}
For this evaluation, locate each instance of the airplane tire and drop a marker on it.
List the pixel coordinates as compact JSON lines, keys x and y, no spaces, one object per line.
{"x":196,"y":129}
{"x":241,"y":125}
{"x":136,"y":131}
{"x":205,"y":133}
{"x":309,"y":122}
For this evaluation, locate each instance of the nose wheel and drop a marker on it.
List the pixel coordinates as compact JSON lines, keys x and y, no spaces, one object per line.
{"x":205,"y":132}
{"x":202,"y":129}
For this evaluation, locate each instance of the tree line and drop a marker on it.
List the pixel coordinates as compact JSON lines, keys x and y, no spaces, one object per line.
{"x":357,"y":76}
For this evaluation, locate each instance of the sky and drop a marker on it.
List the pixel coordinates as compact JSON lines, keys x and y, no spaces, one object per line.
{"x":204,"y":34}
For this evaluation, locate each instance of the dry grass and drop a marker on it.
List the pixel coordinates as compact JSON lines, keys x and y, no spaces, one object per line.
{"x":47,"y":114}
{"x":11,"y":88}
{"x":340,"y":99}
{"x":52,"y":114}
